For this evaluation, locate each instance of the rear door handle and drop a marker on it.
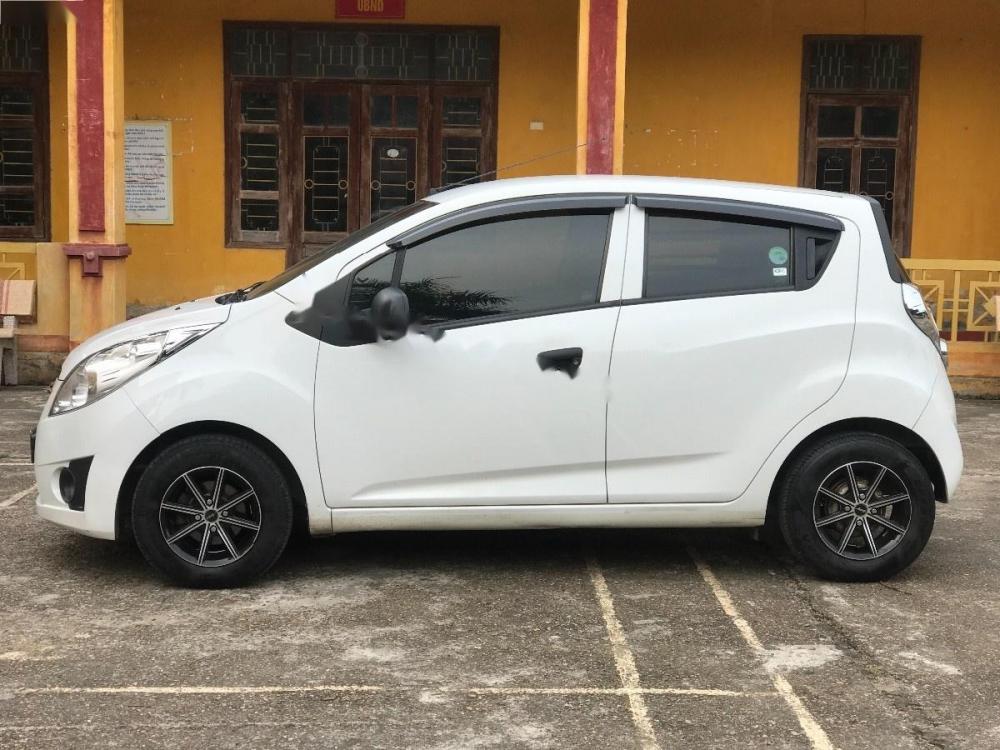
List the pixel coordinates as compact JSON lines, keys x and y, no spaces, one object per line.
{"x":566,"y":360}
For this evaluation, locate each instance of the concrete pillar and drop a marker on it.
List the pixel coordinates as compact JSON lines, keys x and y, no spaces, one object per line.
{"x":600,"y":87}
{"x":96,"y":247}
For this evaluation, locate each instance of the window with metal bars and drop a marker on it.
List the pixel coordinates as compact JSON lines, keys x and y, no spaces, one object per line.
{"x":331,"y":127}
{"x":23,"y":126}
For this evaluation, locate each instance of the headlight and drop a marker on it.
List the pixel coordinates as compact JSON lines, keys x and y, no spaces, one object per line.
{"x":103,"y":372}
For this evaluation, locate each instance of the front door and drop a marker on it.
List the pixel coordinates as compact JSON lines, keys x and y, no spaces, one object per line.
{"x":364,"y":151}
{"x":497,"y":411}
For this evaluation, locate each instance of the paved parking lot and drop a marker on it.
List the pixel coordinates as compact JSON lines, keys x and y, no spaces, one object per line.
{"x":548,"y":639}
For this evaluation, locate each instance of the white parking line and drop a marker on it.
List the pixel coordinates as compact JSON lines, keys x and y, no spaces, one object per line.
{"x":17,"y":497}
{"x":813,"y":731}
{"x":624,"y":660}
{"x":703,"y":692}
{"x":18,"y":463}
{"x":269,"y":689}
{"x":198,"y":689}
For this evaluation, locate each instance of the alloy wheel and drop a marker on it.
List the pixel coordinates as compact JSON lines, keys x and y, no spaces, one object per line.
{"x":210,"y":516}
{"x":862,"y":510}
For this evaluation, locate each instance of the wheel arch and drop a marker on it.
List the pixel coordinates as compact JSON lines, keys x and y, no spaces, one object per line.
{"x":891,"y":430}
{"x":126,"y":493}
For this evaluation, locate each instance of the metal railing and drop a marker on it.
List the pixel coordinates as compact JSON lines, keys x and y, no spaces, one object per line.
{"x":11,"y":271}
{"x":961,"y":294}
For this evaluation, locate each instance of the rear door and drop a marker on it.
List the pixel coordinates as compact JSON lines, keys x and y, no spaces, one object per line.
{"x":736,"y":323}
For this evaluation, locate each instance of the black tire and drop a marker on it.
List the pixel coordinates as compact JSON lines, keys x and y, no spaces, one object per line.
{"x":234,"y":553}
{"x":824,"y":516}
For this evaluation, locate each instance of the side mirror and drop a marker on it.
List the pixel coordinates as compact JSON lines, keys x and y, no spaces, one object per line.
{"x":390,"y":313}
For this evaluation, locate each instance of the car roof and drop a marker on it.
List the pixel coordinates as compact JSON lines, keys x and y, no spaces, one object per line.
{"x":520,"y":187}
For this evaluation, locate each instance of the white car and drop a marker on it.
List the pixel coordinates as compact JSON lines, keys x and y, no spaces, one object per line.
{"x":561,"y":351}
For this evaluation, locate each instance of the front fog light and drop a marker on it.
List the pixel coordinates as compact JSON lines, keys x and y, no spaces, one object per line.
{"x":67,"y":485}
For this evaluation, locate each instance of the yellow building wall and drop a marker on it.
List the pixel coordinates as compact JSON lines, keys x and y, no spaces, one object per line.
{"x":174,"y":71}
{"x":714,"y":90}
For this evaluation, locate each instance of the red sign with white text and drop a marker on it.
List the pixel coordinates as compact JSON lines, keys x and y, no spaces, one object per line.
{"x":370,"y":8}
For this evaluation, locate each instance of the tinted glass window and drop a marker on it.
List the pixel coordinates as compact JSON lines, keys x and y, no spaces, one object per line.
{"x":369,"y":281}
{"x":517,"y":265}
{"x":689,"y":256}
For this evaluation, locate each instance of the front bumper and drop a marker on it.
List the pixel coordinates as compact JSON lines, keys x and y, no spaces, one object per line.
{"x":114,"y":432}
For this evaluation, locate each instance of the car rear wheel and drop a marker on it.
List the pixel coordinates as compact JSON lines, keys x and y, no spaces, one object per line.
{"x":212,"y":511}
{"x":856,"y":507}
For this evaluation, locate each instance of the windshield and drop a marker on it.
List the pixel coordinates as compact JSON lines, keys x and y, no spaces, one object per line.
{"x":338,"y":247}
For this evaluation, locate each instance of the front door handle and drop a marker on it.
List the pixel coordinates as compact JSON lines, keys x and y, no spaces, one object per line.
{"x":566,"y":360}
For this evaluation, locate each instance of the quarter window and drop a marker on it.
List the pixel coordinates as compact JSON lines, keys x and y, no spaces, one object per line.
{"x":690,"y":256}
{"x":514,"y":266}
{"x":370,"y":280}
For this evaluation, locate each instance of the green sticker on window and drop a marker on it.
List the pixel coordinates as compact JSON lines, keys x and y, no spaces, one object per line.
{"x":778,"y":255}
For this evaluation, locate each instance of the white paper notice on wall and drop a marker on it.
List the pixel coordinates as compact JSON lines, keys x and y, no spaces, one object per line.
{"x":149,"y":185}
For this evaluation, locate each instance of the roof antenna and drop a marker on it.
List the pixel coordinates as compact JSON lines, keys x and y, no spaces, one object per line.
{"x":476,"y":178}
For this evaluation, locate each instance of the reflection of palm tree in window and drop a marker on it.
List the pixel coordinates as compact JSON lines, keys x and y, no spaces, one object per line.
{"x":434,"y":300}
{"x":363,"y":290}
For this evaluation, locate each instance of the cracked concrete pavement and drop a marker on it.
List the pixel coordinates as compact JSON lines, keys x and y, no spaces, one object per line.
{"x":547,"y":639}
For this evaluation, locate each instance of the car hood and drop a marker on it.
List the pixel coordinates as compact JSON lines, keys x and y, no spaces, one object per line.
{"x":196,"y":312}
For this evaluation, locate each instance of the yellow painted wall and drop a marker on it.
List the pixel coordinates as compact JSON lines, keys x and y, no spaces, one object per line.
{"x":173,"y":71}
{"x":714,"y":91}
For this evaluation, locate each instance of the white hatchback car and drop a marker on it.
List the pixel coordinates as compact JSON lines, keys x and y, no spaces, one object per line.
{"x":563,"y":351}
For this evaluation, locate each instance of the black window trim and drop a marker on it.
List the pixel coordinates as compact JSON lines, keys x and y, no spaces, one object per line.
{"x":508,"y":209}
{"x":741,"y":209}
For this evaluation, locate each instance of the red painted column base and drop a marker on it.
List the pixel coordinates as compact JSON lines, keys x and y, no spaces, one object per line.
{"x":92,"y":255}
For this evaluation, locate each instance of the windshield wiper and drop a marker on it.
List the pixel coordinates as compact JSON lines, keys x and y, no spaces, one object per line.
{"x":239,"y":295}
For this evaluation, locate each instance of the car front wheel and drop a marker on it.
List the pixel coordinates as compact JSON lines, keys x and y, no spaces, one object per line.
{"x":857,"y":507}
{"x":212,"y":511}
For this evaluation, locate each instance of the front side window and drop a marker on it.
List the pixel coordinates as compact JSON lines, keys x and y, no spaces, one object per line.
{"x":23,"y":126}
{"x":694,"y":255}
{"x":521,"y":265}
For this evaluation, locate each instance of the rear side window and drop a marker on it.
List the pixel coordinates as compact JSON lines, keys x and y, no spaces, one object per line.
{"x":696,"y":255}
{"x":518,"y":265}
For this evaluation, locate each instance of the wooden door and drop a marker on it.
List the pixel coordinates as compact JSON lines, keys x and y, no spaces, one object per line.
{"x":326,"y":162}
{"x":861,"y":144}
{"x":395,"y":135}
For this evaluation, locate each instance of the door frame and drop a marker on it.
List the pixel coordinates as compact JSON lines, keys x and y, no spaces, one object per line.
{"x":903,"y":219}
{"x":289,"y":235}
